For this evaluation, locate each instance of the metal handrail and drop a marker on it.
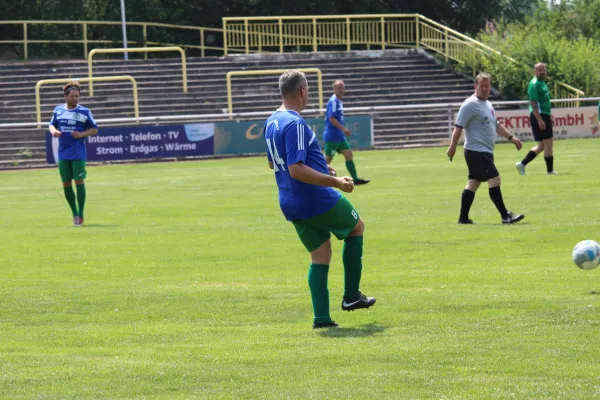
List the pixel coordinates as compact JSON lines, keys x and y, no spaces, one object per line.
{"x":39,"y":84}
{"x":138,"y":50}
{"x":270,"y":72}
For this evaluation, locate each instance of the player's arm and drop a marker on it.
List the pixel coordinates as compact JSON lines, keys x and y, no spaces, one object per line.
{"x":465,"y":114}
{"x":532,"y":93}
{"x":271,"y":164}
{"x":91,"y":128}
{"x":296,"y":145}
{"x":306,"y":174}
{"x":52,"y":127}
{"x":334,"y":121}
{"x":502,"y":131}
{"x":86,"y":133}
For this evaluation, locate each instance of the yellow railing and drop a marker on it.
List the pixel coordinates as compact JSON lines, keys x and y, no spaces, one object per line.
{"x":271,"y":72}
{"x":38,"y":106}
{"x":211,"y":35}
{"x":138,"y":50}
{"x":347,"y":32}
{"x":564,"y":91}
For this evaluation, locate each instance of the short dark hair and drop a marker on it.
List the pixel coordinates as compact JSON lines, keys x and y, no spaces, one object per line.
{"x":290,"y":82}
{"x":483,"y":75}
{"x":71,"y":85}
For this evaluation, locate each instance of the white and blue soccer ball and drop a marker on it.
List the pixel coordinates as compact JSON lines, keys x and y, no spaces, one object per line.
{"x":586,"y":254}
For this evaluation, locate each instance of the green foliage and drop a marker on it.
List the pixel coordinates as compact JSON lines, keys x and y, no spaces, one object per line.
{"x":566,"y":38}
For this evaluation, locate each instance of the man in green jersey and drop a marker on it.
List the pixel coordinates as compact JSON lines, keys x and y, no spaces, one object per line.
{"x":541,"y":121}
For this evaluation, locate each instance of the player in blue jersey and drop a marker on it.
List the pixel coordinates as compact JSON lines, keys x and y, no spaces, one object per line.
{"x":71,"y":123}
{"x":308,"y":200}
{"x":335,"y":132}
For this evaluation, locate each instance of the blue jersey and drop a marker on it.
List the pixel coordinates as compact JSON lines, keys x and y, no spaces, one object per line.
{"x":67,"y":121}
{"x":289,"y":141}
{"x":335,"y":109}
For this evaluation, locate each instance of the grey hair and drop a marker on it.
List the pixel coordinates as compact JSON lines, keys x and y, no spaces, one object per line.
{"x":290,"y":82}
{"x":483,"y":75}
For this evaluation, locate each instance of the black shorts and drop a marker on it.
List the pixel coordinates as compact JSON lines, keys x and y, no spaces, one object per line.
{"x":481,"y":165}
{"x":539,"y":135}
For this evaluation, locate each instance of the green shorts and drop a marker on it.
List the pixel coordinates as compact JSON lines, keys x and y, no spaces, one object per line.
{"x":72,"y":169}
{"x":336,"y":147}
{"x":340,"y":221}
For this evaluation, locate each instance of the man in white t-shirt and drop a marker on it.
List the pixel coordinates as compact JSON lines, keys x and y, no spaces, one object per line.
{"x":477,"y":118}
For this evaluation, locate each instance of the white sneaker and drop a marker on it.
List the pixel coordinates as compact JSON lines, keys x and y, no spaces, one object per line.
{"x":552,"y":173}
{"x":520,"y":168}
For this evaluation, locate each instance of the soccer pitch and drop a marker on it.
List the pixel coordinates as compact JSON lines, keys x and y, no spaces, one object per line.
{"x":186,"y":282}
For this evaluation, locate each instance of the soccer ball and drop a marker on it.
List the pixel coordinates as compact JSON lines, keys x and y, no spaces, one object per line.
{"x":586,"y":254}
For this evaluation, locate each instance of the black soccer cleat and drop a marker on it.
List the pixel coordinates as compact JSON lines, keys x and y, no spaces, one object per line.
{"x":330,"y":324}
{"x":466,"y":221}
{"x":361,"y":181}
{"x":361,"y":302}
{"x":511,"y":218}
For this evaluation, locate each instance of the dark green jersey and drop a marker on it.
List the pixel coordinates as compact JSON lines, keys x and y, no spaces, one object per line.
{"x":538,"y":91}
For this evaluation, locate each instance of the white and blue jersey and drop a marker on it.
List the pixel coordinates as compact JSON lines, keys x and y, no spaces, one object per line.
{"x":67,"y":121}
{"x":290,"y":141}
{"x":335,"y":108}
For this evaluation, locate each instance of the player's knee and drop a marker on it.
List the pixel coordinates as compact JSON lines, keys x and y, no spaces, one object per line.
{"x":359,"y":229}
{"x":322,"y":255}
{"x":494,"y":182}
{"x":348,"y":155}
{"x":67,"y":184}
{"x":79,"y":182}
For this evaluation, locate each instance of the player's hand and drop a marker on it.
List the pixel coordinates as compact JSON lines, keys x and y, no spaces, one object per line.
{"x":517,"y":143}
{"x":56,"y":133}
{"x":347,"y":132}
{"x":345,"y":184}
{"x":542,"y":125}
{"x":76,"y":134}
{"x":331,"y":171}
{"x":451,"y":152}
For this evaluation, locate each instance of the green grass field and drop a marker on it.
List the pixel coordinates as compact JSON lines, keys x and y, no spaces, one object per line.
{"x":186,"y":282}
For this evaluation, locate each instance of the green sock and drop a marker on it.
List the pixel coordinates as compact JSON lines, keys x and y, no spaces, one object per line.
{"x":352,"y":257}
{"x":317,"y":281}
{"x":352,"y":169}
{"x":81,"y":198}
{"x":70,"y":196}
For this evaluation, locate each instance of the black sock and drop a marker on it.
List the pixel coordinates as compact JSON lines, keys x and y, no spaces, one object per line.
{"x":465,"y":204}
{"x":496,"y":196}
{"x":549,"y":163}
{"x":529,"y":157}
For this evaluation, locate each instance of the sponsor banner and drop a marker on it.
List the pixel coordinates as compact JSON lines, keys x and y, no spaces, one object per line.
{"x":567,"y":123}
{"x":248,"y":137}
{"x":138,"y":142}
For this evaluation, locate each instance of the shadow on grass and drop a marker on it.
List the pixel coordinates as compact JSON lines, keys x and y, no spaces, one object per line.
{"x":99,"y":226}
{"x":360,"y":331}
{"x":595,"y":292}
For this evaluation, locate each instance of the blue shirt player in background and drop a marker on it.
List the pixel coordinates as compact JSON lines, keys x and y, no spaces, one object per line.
{"x":308,"y":200}
{"x":71,"y":123}
{"x":335,"y":132}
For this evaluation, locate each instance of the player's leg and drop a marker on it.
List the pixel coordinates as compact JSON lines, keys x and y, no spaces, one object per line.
{"x":316,"y":241}
{"x":80,"y":174}
{"x":345,"y":223}
{"x":66,"y":176}
{"x":535,"y":150}
{"x":346,"y":151}
{"x":549,"y":156}
{"x":548,"y":142}
{"x":475,"y":165}
{"x":496,"y":196}
{"x":329,"y":151}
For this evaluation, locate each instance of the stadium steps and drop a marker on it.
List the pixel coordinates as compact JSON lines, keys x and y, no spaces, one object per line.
{"x":373,"y":78}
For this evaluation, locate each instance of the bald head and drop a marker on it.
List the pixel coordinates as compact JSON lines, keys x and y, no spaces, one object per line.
{"x":339,"y":88}
{"x":540,"y":70}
